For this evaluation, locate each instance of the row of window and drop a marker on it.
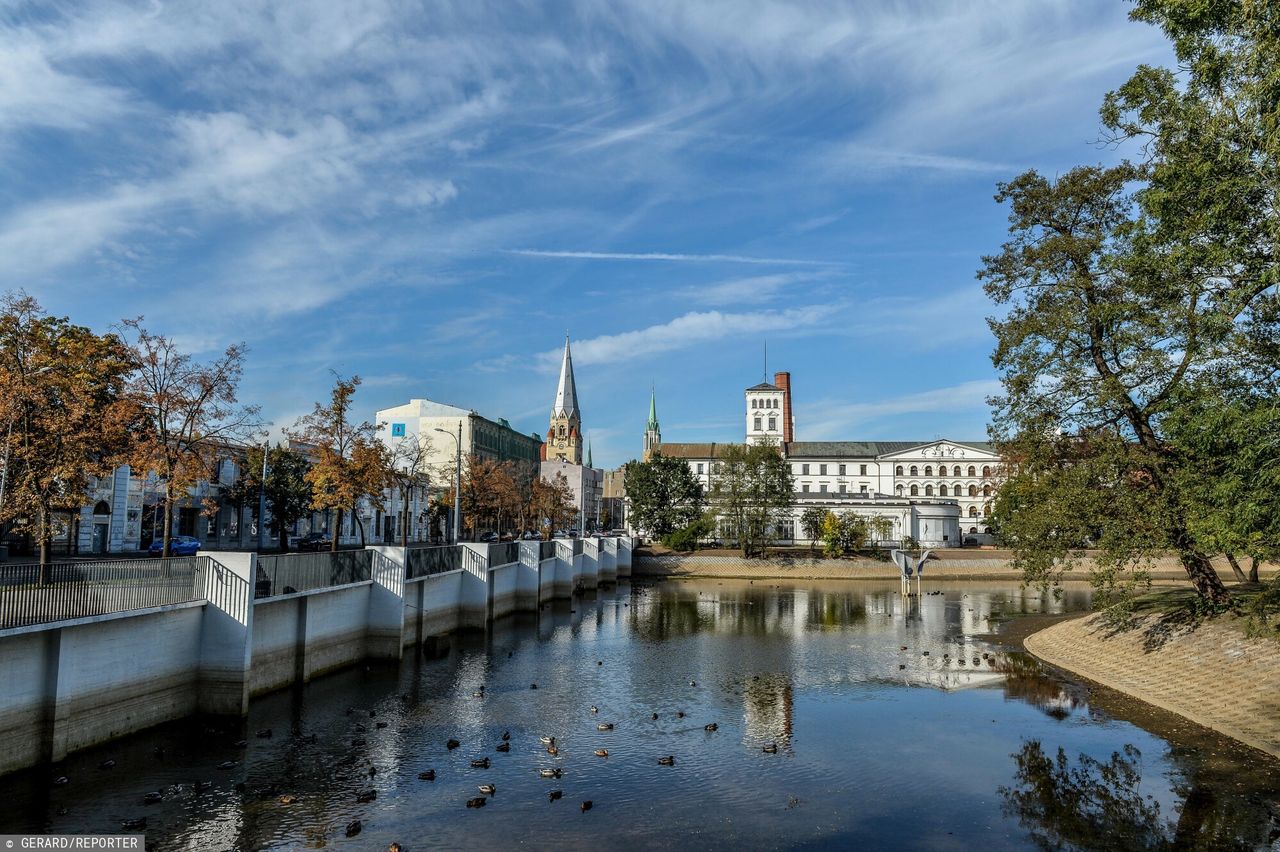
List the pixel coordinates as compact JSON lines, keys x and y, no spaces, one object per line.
{"x":949,"y":491}
{"x":803,"y":469}
{"x":942,"y":470}
{"x":822,"y":488}
{"x":773,"y":424}
{"x":764,"y":403}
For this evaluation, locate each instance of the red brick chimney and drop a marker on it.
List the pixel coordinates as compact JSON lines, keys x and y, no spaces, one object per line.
{"x":783,"y":380}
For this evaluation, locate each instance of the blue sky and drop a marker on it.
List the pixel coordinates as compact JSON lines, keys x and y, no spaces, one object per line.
{"x":432,"y":194}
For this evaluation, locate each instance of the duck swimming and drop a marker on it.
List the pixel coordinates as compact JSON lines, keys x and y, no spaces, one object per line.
{"x":711,"y":727}
{"x":481,"y":763}
{"x":602,"y":752}
{"x":502,"y":747}
{"x":604,"y":726}
{"x":477,"y":802}
{"x":428,"y":775}
{"x":550,"y":773}
{"x":488,"y":789}
{"x":667,"y":761}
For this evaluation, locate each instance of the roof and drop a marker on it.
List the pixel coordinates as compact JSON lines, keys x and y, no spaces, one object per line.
{"x":567,"y":392}
{"x":691,"y":451}
{"x":870,"y":449}
{"x":764,"y":386}
{"x":821,"y":449}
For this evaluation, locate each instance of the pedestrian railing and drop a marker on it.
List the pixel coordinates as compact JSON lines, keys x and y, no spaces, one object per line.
{"x":504,"y":554}
{"x":425,"y":561}
{"x":300,"y":572}
{"x":65,"y":590}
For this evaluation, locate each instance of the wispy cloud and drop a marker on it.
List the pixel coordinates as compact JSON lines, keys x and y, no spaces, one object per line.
{"x":668,"y":257}
{"x":754,"y":290}
{"x":836,"y":419}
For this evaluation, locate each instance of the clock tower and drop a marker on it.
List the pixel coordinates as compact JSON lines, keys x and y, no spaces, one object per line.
{"x":564,"y":438}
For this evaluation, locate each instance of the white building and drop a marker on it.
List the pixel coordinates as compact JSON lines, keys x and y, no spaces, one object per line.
{"x":938,"y":492}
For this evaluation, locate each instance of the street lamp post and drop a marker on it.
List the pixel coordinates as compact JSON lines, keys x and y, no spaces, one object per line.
{"x":457,"y":479}
{"x":262,"y":502}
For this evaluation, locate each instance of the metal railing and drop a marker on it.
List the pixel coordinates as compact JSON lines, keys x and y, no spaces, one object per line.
{"x":425,"y":561}
{"x":299,"y":572}
{"x":503,"y":554}
{"x":546,"y":550}
{"x":81,"y":589}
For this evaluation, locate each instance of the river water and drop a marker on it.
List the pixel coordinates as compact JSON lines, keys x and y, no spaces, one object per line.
{"x":883,"y":740}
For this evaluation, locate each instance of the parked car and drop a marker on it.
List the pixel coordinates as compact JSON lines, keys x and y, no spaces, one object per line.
{"x":314,"y":541}
{"x":179,"y":545}
{"x":530,"y":535}
{"x":489,"y":536}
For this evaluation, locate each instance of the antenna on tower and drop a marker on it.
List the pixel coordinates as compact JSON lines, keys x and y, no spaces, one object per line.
{"x":766,"y":359}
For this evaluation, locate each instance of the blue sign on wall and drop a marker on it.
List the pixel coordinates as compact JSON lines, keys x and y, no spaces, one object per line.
{"x":397,"y":430}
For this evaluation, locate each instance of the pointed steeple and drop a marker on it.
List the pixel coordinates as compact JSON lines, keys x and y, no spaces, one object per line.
{"x":652,"y":434}
{"x":567,"y":393}
{"x":589,"y":464}
{"x":653,"y":411}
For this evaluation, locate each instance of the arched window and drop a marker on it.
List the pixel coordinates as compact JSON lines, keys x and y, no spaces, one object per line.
{"x":928,"y":491}
{"x":986,"y":491}
{"x":986,"y":510}
{"x":973,"y":511}
{"x":898,"y":470}
{"x":986,"y":530}
{"x":942,"y":490}
{"x":915,"y":471}
{"x":956,"y":472}
{"x":986,"y":471}
{"x":102,"y":508}
{"x":757,"y":421}
{"x":972,"y":471}
{"x":773,"y":424}
{"x":973,"y":529}
{"x":915,"y":491}
{"x":898,"y":490}
{"x":973,"y":491}
{"x":754,"y":403}
{"x":928,"y":470}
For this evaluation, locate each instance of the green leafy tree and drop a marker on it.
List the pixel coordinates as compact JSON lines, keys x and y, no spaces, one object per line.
{"x":752,"y":491}
{"x":811,"y":523}
{"x":663,"y":494}
{"x":853,"y":532}
{"x":830,"y":533}
{"x":1134,"y":290}
{"x":880,"y":527}
{"x":288,"y":493}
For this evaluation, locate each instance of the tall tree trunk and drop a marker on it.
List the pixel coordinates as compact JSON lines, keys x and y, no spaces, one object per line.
{"x":1206,"y":580}
{"x":359,"y":522}
{"x":43,"y":528}
{"x":168,"y":521}
{"x":404,"y":520}
{"x":337,"y":532}
{"x":1235,"y":568}
{"x":1253,"y":570}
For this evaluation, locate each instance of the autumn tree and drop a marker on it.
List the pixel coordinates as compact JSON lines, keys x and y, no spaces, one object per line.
{"x":348,"y":461}
{"x":811,"y":524}
{"x":553,"y":501}
{"x":191,"y":413}
{"x":65,"y":413}
{"x":489,"y":492}
{"x":287,"y":492}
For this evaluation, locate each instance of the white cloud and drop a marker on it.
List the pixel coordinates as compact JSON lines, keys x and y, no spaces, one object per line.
{"x":754,"y":290}
{"x":663,"y":256}
{"x":834,"y":420}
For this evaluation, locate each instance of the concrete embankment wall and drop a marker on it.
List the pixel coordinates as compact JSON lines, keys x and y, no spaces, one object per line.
{"x":72,"y":684}
{"x":1209,"y":672}
{"x":970,"y":565}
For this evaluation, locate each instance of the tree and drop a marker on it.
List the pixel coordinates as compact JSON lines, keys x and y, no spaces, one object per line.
{"x":553,"y":501}
{"x":287,"y":492}
{"x":663,"y":493}
{"x":1138,"y":289}
{"x":853,"y":532}
{"x":348,"y":463}
{"x":408,"y":472}
{"x":830,"y":532}
{"x":190,"y":414}
{"x":65,"y":414}
{"x":880,"y":527}
{"x":811,"y":523}
{"x":752,"y":490}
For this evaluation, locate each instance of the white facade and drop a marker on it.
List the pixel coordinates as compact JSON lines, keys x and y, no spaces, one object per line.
{"x":587,"y":485}
{"x":765,"y":413}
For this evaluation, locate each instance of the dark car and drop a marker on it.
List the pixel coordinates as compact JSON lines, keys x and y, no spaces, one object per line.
{"x":179,"y":545}
{"x":314,"y":541}
{"x":489,"y":536}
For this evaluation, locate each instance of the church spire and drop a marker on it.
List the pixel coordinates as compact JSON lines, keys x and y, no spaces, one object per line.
{"x":653,"y":411}
{"x":652,"y":434}
{"x":567,"y":393}
{"x":589,"y":463}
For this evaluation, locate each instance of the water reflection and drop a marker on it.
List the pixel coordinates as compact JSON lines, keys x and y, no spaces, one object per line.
{"x":893,"y":719}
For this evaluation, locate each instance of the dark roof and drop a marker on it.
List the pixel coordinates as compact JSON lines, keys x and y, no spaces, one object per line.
{"x":691,"y":451}
{"x":869,"y":449}
{"x":764,"y":386}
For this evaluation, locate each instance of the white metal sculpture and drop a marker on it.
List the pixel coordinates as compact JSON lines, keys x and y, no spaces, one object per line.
{"x":905,"y":561}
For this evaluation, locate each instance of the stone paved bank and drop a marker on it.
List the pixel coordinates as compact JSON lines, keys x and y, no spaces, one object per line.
{"x":1211,"y":674}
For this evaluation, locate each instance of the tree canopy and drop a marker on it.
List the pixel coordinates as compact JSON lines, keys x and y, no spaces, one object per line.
{"x":663,"y":494}
{"x":752,"y":493}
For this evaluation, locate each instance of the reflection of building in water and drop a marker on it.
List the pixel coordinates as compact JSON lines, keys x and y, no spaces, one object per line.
{"x":768,"y":708}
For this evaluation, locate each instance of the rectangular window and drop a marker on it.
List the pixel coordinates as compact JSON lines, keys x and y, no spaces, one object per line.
{"x":862,"y":469}
{"x":699,"y":467}
{"x":804,"y":468}
{"x":822,"y":469}
{"x":843,"y":488}
{"x":863,"y":487}
{"x":823,"y":488}
{"x":804,"y":486}
{"x":842,"y":470}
